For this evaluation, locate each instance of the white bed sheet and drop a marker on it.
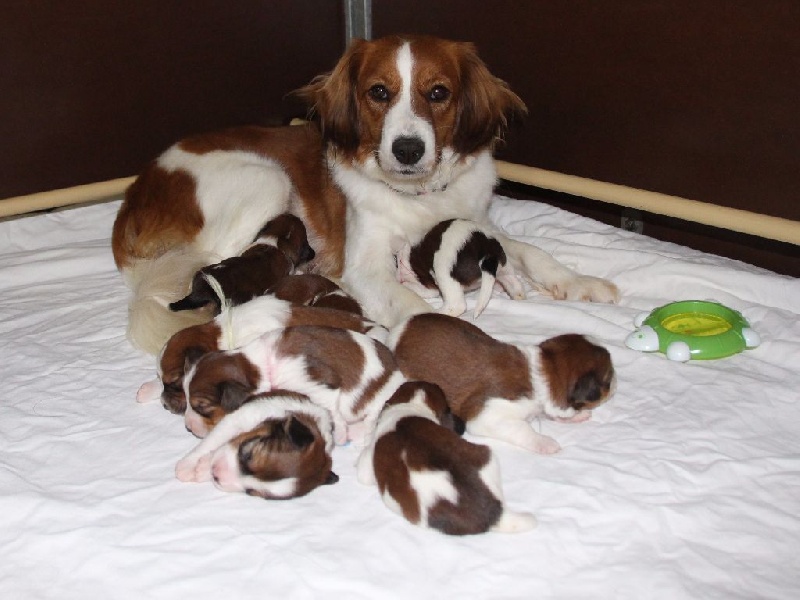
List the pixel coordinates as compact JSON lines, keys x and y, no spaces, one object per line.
{"x":685,"y":485}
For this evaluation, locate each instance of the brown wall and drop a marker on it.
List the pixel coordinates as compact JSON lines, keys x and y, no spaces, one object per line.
{"x":690,"y":98}
{"x":92,"y":89}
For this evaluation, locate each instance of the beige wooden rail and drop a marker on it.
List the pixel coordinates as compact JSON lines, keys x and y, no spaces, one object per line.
{"x":775,"y":228}
{"x":79,"y":194}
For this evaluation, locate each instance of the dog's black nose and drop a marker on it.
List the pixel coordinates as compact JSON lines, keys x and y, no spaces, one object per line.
{"x":408,"y":150}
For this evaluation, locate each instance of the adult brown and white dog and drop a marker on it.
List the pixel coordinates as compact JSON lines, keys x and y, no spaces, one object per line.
{"x":278,"y":249}
{"x":347,"y":373}
{"x":406,"y":129}
{"x":276,"y":446}
{"x":453,"y":257}
{"x":495,"y":387}
{"x":237,"y":326}
{"x":428,"y":474}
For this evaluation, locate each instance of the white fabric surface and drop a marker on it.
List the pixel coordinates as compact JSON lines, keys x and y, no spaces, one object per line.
{"x":685,"y":485}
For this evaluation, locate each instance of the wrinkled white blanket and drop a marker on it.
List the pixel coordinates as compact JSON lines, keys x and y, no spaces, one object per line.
{"x":685,"y":485}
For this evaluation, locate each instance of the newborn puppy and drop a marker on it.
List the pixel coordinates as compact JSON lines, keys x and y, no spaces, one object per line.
{"x":348,"y":373}
{"x":279,"y":247}
{"x":310,"y":289}
{"x":497,"y":387}
{"x":236,"y":327}
{"x":428,"y":474}
{"x":276,"y":446}
{"x":457,"y":256}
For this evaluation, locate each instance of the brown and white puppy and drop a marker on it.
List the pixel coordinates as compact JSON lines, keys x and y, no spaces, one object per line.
{"x":495,"y":387}
{"x":278,"y":249}
{"x":236,"y":327}
{"x":348,"y":373}
{"x":457,"y":256}
{"x":431,"y":476}
{"x":404,"y":139}
{"x":310,"y":289}
{"x":276,"y":446}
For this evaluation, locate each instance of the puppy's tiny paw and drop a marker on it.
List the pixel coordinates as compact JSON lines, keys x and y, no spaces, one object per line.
{"x":194,"y":469}
{"x":149,"y":391}
{"x":453,"y":310}
{"x":340,"y":435}
{"x":586,"y":288}
{"x":578,"y":417}
{"x":356,"y":432}
{"x":546,"y":445}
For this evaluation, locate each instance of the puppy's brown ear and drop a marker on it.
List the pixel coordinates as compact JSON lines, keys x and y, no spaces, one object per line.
{"x":190,"y":356}
{"x":232,"y":395}
{"x":332,"y":99}
{"x":299,"y":433}
{"x":485,"y":103}
{"x":586,"y":390}
{"x":331,"y":479}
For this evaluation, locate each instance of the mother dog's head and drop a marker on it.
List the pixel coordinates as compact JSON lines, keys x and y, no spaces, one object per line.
{"x":399,"y":107}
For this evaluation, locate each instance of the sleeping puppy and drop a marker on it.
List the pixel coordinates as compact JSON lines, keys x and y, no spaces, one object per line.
{"x":276,"y":446}
{"x":348,"y":373}
{"x":233,"y":328}
{"x":497,"y":387}
{"x":309,"y":289}
{"x":453,"y":257}
{"x":428,"y":474}
{"x":279,"y":247}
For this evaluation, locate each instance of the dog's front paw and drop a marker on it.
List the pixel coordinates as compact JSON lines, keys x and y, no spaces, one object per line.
{"x":454,"y":310}
{"x":544,"y":444}
{"x":149,"y":391}
{"x":578,"y":417}
{"x":585,"y":288}
{"x":356,"y":432}
{"x":191,"y":468}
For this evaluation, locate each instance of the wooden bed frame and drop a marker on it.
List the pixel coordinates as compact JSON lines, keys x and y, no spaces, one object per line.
{"x":674,"y":109}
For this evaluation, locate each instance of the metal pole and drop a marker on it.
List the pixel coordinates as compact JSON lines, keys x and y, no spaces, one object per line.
{"x":357,"y":20}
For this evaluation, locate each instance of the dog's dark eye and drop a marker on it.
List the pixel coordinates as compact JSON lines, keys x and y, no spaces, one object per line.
{"x":439,"y":93}
{"x":379,"y":93}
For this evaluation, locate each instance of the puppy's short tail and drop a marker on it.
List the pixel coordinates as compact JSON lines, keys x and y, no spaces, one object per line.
{"x":154,"y":285}
{"x":514,"y":522}
{"x":488,"y":266}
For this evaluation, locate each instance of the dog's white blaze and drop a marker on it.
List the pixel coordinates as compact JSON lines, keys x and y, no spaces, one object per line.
{"x":238,"y":193}
{"x":541,"y":389}
{"x":402,"y":121}
{"x":432,"y":486}
{"x":281,"y":488}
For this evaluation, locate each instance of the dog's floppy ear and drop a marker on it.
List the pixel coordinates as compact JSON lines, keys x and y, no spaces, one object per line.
{"x":453,"y":422}
{"x":332,"y":98}
{"x":232,"y":395}
{"x":190,"y":356}
{"x":298,"y":432}
{"x":587,"y":389}
{"x":484,"y":105}
{"x":331,"y":479}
